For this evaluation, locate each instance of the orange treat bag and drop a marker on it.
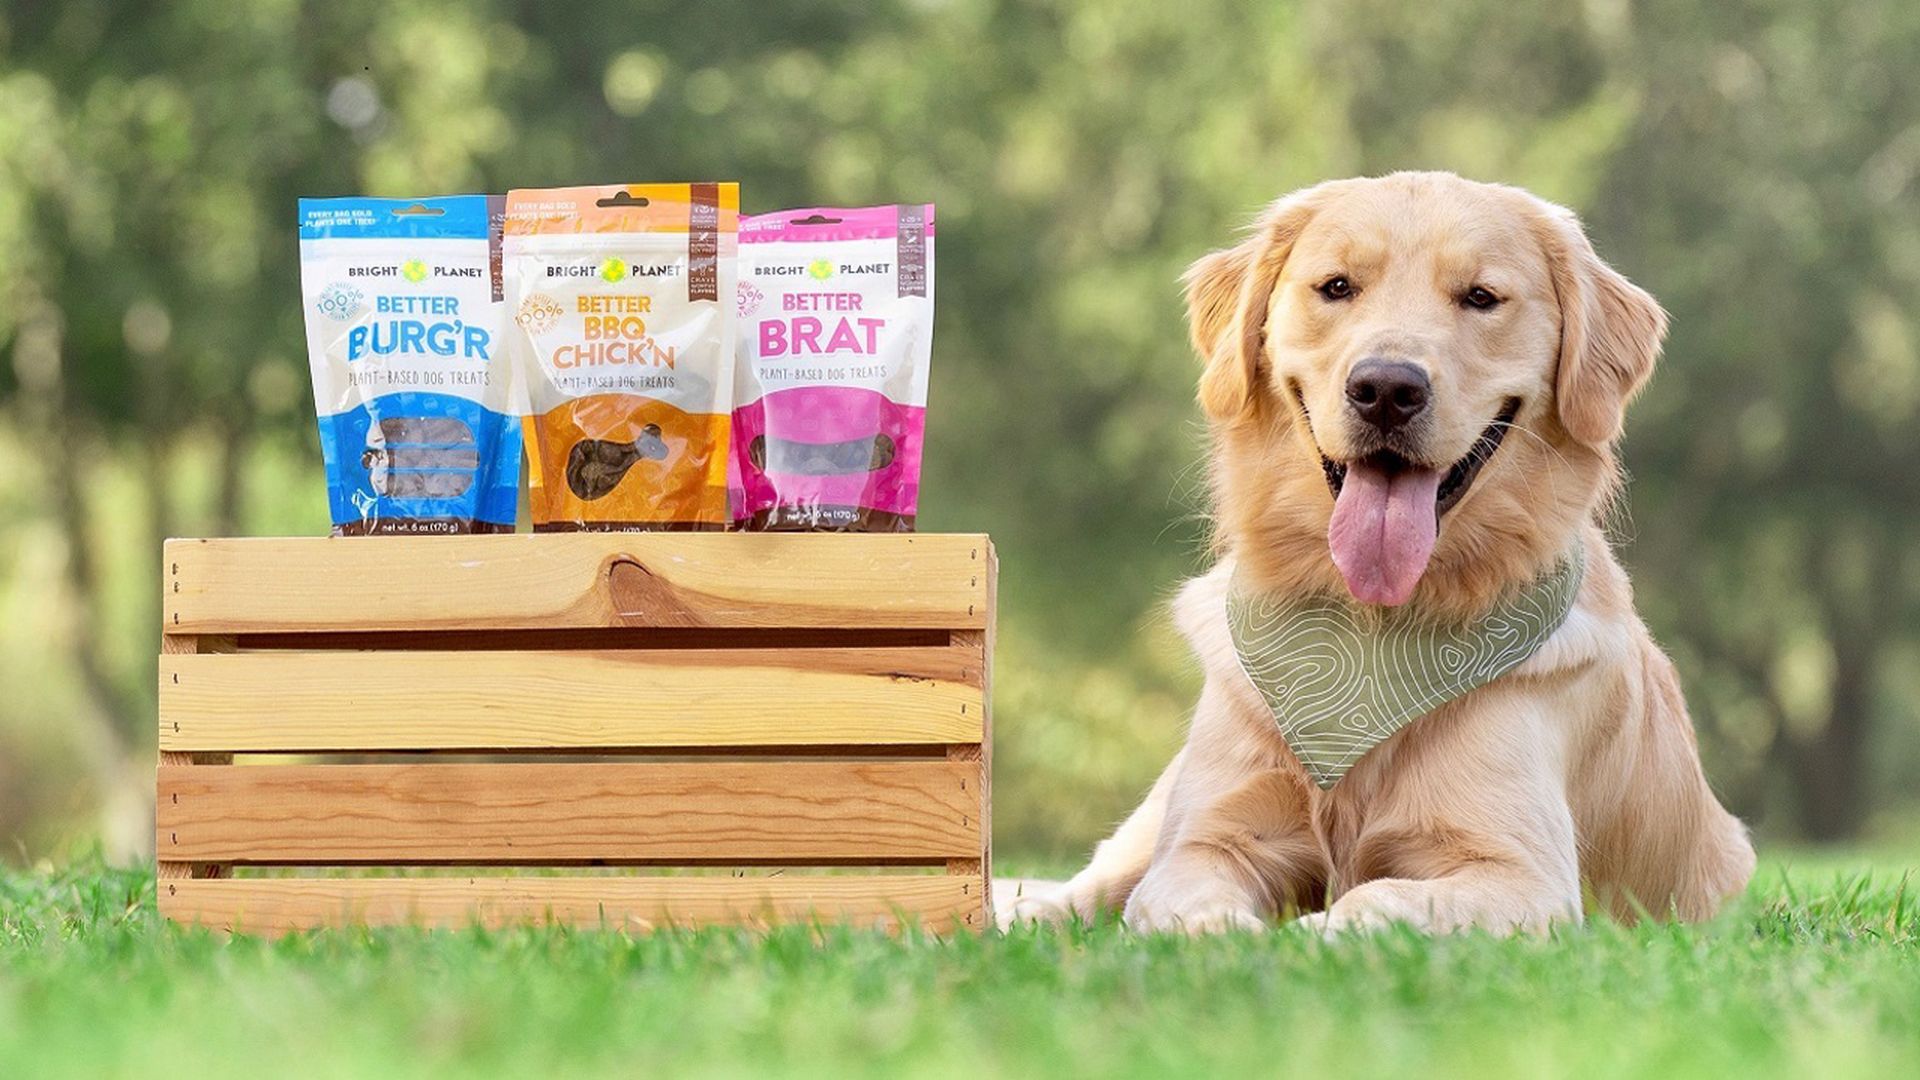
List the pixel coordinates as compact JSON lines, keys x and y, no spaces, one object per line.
{"x":625,"y":351}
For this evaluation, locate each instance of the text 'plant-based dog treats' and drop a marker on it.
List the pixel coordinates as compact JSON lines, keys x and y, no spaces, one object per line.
{"x":836,"y":314}
{"x":626,"y":351}
{"x":410,"y":379}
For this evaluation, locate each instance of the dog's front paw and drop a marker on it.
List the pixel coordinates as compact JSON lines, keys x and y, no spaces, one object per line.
{"x":1201,"y":909}
{"x":1032,"y":911}
{"x":1441,"y":907}
{"x":1352,"y":921}
{"x":1045,"y":903}
{"x":1050,"y":903}
{"x":1374,"y":906}
{"x":1212,"y":917}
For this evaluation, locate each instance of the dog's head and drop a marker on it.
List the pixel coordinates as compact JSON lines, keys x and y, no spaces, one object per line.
{"x":1415,"y":383}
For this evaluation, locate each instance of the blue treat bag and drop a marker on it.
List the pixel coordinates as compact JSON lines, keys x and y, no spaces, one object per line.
{"x":410,"y":376}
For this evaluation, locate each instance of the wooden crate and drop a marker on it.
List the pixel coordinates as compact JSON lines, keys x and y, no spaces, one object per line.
{"x":767,"y":703}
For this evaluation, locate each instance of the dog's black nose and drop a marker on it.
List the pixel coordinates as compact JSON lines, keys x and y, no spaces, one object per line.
{"x":1388,"y":393}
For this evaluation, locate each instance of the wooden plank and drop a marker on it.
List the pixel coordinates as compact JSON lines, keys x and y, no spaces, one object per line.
{"x":973,"y":755}
{"x":576,"y":580}
{"x":970,"y":754}
{"x":189,"y":645}
{"x":921,"y":811}
{"x":982,"y":752}
{"x":348,"y":701}
{"x":987,"y":646}
{"x":275,"y":906}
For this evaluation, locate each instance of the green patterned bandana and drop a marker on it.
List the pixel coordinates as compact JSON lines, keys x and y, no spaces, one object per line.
{"x":1340,"y":684}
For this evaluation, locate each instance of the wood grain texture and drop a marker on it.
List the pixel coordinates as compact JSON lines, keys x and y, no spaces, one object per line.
{"x":190,"y":645}
{"x":983,"y":640}
{"x":814,"y":647}
{"x":348,"y":701}
{"x":538,"y":814}
{"x":276,"y":906}
{"x":265,"y":585}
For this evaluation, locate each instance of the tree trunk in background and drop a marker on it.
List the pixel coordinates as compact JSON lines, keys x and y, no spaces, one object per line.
{"x":1826,"y":769}
{"x":101,"y":729}
{"x":1829,"y":769}
{"x":114,"y":713}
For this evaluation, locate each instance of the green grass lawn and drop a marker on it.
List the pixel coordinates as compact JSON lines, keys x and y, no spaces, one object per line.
{"x":1816,"y":973}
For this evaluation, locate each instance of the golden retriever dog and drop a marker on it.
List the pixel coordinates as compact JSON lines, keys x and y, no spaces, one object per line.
{"x":1414,"y":386}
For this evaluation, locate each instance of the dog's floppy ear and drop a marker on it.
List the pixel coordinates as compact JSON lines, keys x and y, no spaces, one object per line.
{"x":1610,"y":333}
{"x":1227,"y":296}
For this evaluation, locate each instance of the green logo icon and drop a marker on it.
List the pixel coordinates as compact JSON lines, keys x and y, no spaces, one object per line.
{"x":414,"y":270}
{"x":820,"y":269}
{"x":613,"y":269}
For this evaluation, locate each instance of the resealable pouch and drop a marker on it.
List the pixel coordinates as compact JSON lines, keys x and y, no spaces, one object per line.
{"x":403,"y":311}
{"x":623,"y":337}
{"x":836,"y":314}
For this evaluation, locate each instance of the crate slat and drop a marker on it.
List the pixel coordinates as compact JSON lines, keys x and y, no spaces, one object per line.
{"x":518,"y":813}
{"x":273,"y":906}
{"x":186,"y":645}
{"x":352,"y":701}
{"x":267,"y":585}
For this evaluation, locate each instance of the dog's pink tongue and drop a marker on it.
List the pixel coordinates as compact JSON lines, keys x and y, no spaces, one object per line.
{"x":1382,"y":531}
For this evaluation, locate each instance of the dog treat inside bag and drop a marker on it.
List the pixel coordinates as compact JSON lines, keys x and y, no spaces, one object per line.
{"x":410,"y":381}
{"x":626,"y":351}
{"x":836,"y":314}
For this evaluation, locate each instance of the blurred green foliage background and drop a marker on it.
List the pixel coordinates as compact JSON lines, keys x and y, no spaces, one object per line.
{"x":1755,"y":163}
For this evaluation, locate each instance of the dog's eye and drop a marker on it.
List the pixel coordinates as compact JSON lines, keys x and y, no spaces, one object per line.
{"x":1335,"y":288}
{"x":1480,"y":297}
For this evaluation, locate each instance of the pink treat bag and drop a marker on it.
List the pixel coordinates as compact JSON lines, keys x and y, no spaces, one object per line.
{"x":836,"y":332}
